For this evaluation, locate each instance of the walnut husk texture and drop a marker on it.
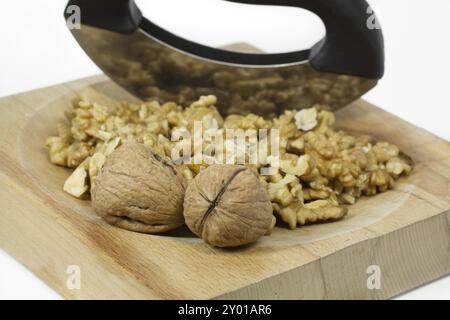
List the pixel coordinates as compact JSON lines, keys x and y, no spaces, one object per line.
{"x":227,"y":206}
{"x":139,"y":191}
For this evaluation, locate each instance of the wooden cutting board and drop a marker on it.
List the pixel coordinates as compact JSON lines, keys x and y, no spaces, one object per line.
{"x":405,"y":232}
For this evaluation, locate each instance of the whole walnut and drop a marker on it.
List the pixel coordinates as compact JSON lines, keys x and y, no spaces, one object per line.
{"x":227,"y":206}
{"x":139,"y":191}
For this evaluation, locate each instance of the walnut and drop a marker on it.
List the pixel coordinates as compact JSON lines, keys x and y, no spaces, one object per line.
{"x":227,"y":206}
{"x":138,"y":190}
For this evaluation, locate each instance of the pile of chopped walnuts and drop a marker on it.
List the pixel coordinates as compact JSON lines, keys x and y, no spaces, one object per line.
{"x":321,"y":169}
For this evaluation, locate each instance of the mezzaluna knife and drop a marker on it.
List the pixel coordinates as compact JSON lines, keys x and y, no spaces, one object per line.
{"x":153,"y":63}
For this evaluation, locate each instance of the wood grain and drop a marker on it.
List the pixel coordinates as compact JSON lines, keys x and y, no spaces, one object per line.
{"x":404,"y":231}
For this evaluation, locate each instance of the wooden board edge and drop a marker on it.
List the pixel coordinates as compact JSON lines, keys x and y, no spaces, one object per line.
{"x":407,"y":258}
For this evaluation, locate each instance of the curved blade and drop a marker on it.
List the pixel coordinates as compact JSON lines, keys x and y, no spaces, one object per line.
{"x":152,"y":70}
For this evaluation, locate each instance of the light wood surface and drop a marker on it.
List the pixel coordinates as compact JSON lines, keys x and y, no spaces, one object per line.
{"x":404,"y":231}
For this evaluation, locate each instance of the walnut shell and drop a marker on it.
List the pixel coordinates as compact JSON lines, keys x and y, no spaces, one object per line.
{"x":227,"y":206}
{"x":139,"y":191}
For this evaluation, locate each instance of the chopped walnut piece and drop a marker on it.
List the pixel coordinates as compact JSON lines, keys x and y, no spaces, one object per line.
{"x":322,"y":214}
{"x":306,"y":119}
{"x":96,"y":163}
{"x":77,"y":183}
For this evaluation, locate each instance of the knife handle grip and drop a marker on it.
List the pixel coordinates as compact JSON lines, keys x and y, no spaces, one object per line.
{"x":354,"y":41}
{"x":121,"y":16}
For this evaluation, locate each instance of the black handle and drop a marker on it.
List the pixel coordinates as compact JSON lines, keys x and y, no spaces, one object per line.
{"x":350,"y":46}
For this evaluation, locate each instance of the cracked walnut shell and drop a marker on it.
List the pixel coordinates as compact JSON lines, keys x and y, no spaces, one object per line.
{"x":139,"y":191}
{"x":227,"y":206}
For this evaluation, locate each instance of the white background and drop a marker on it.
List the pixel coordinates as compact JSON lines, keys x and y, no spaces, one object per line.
{"x":36,"y":50}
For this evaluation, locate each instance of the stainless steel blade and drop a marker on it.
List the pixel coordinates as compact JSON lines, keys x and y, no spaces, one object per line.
{"x":151,"y":70}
